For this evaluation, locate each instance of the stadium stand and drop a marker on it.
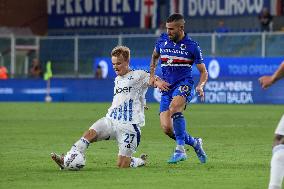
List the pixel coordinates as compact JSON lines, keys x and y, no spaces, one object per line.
{"x":96,"y":31}
{"x":274,"y":44}
{"x":67,"y":47}
{"x":58,"y":50}
{"x":143,"y":46}
{"x":238,"y":45}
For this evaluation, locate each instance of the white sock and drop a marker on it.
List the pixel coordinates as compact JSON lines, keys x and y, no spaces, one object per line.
{"x":277,"y":167}
{"x":81,"y":145}
{"x":180,"y":148}
{"x":137,"y":162}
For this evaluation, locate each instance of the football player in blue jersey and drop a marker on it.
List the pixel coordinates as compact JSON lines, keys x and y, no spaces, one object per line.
{"x":178,"y":52}
{"x":277,"y":160}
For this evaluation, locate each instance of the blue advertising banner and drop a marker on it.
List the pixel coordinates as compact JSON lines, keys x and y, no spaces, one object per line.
{"x":217,"y":67}
{"x":241,"y":66}
{"x":62,"y":90}
{"x":235,"y":80}
{"x":242,"y":90}
{"x":231,"y":81}
{"x":201,"y":8}
{"x":225,"y":90}
{"x":81,"y":14}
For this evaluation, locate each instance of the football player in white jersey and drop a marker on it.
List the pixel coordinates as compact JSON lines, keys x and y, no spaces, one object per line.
{"x":124,"y":118}
{"x":277,"y":160}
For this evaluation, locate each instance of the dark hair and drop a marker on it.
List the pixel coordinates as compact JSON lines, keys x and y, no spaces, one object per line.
{"x":174,"y":17}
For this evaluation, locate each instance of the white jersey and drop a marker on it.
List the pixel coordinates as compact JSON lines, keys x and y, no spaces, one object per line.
{"x":129,"y":98}
{"x":280,"y":128}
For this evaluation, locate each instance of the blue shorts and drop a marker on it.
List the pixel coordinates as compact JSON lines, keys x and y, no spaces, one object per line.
{"x":183,"y":88}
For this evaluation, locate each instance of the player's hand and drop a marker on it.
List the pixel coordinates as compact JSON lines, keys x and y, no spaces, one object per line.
{"x":265,"y":81}
{"x":200,"y":92}
{"x":162,"y":85}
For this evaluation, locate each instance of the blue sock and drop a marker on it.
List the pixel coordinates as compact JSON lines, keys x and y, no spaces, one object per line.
{"x":179,"y":128}
{"x":189,"y":140}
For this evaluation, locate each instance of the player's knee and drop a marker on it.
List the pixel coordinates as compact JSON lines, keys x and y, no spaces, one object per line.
{"x":90,"y":135}
{"x":174,"y":109}
{"x":122,"y":164}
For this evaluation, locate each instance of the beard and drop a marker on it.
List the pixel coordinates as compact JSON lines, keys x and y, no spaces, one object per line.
{"x":174,"y":38}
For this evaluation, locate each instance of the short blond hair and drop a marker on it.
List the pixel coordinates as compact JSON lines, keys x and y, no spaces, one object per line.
{"x":121,"y":50}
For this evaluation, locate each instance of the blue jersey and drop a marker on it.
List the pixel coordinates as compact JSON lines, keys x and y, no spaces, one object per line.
{"x":177,"y":58}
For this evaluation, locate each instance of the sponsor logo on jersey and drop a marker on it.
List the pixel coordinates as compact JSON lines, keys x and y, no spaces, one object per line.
{"x":174,"y":51}
{"x":122,"y":90}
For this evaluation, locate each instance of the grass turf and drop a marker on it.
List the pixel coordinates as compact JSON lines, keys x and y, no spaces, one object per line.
{"x":237,"y":139}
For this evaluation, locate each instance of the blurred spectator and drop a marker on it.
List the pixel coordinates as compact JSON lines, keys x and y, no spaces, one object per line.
{"x":265,"y":20}
{"x":36,"y":69}
{"x":221,"y":27}
{"x":161,"y":29}
{"x":99,"y":72}
{"x":3,"y":72}
{"x":101,"y":69}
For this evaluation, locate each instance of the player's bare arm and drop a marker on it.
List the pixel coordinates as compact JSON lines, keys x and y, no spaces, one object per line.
{"x":203,"y":78}
{"x":153,"y":65}
{"x":267,"y":81}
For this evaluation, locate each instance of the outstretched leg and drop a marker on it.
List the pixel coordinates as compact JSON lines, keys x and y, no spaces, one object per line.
{"x":174,"y":125}
{"x":81,"y":145}
{"x":277,"y":165}
{"x":277,"y":160}
{"x":100,"y":130}
{"x":175,"y":109}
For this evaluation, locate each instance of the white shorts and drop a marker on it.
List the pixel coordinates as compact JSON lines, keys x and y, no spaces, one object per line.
{"x":127,"y":135}
{"x":280,"y":128}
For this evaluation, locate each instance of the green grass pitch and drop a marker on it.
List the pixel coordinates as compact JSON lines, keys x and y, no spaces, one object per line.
{"x":237,"y":139}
